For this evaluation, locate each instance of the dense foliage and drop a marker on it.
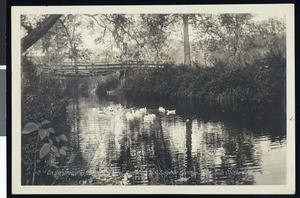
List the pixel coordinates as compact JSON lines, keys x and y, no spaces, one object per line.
{"x":43,"y":98}
{"x":235,"y":59}
{"x":263,"y":82}
{"x":107,"y":84}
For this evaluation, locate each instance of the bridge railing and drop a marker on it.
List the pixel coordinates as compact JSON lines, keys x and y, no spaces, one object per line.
{"x":83,"y":66}
{"x":96,"y":67}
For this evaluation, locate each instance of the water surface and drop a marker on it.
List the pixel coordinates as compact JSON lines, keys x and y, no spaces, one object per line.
{"x":202,"y":144}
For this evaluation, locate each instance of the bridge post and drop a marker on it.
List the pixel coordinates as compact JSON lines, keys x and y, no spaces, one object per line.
{"x":76,"y":67}
{"x":122,"y":77}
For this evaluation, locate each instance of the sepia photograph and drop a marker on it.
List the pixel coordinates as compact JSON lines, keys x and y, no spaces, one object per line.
{"x":153,"y":96}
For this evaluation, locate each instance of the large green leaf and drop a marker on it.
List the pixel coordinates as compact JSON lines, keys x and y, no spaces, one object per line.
{"x":63,"y":137}
{"x":57,"y":138}
{"x":39,"y":125}
{"x":54,"y":149}
{"x":42,"y":133}
{"x":50,"y":130}
{"x":46,"y":122}
{"x":64,"y":148}
{"x":29,"y":128}
{"x":45,"y":150}
{"x":62,"y":151}
{"x":50,"y":141}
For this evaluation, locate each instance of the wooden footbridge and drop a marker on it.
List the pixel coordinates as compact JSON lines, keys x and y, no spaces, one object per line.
{"x":94,"y":69}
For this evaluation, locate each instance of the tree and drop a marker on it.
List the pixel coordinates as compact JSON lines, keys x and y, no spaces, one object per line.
{"x":156,"y":33}
{"x":236,"y":29}
{"x":121,"y":28}
{"x":38,"y":32}
{"x":159,"y":28}
{"x":142,"y":36}
{"x":187,"y":53}
{"x":225,"y":38}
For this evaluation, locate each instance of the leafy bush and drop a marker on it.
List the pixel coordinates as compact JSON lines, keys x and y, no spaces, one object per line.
{"x":44,"y":97}
{"x":109,"y":83}
{"x":50,"y":144}
{"x":262,"y":82}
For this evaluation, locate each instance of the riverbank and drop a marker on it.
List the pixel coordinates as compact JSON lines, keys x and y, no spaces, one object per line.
{"x":263,"y":82}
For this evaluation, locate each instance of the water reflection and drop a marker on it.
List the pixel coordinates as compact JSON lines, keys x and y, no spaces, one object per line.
{"x":116,"y":145}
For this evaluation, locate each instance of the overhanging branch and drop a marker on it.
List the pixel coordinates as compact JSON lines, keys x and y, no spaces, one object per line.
{"x":39,"y":32}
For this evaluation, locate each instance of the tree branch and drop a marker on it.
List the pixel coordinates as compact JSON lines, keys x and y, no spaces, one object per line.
{"x":38,"y":32}
{"x":67,"y":32}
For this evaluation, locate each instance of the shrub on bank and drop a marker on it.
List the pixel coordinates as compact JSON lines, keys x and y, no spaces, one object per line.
{"x":262,"y":82}
{"x":44,"y":97}
{"x":107,"y":84}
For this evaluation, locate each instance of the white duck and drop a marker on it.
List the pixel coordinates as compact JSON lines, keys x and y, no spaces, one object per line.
{"x":129,"y":116}
{"x":161,"y":110}
{"x":143,"y":110}
{"x":137,"y":114}
{"x":171,"y":112}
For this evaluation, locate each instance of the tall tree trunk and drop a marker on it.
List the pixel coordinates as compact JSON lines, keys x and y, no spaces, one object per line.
{"x":187,"y":53}
{"x":38,"y":32}
{"x":236,"y":57}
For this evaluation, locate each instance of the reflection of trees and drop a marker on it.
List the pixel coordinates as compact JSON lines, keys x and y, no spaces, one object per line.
{"x":76,"y":163}
{"x":132,"y":153}
{"x":223,"y":156}
{"x":238,"y":155}
{"x":173,"y":150}
{"x":163,"y":154}
{"x":190,"y":161}
{"x":145,"y":153}
{"x":75,"y":120}
{"x":112,"y":157}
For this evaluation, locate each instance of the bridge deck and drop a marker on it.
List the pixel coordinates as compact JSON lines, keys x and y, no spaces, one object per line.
{"x":83,"y":69}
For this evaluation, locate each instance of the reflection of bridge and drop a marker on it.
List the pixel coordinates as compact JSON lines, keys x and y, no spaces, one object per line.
{"x":94,"y":69}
